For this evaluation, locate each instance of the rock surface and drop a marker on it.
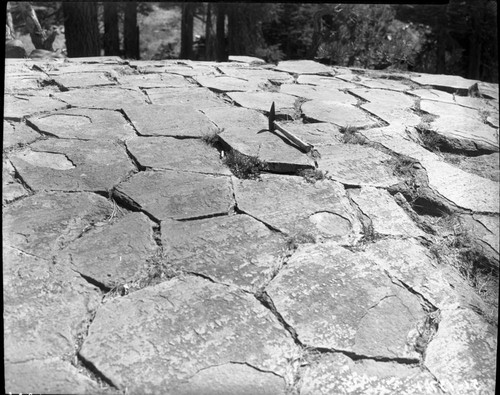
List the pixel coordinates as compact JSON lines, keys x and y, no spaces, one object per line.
{"x":158,"y":238}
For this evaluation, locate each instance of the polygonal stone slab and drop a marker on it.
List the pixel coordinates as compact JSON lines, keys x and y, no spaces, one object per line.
{"x":284,"y":104}
{"x":11,"y":189}
{"x":17,"y":83}
{"x":447,"y":83}
{"x":303,"y":67}
{"x":109,"y":98}
{"x":342,"y":115}
{"x":45,"y":307}
{"x":153,"y":80}
{"x":461,"y":127}
{"x":336,"y":299}
{"x":317,"y":134}
{"x":199,"y":98}
{"x":233,"y":378}
{"x":329,"y":82}
{"x":294,"y":206}
{"x":45,"y":223}
{"x":177,"y":154}
{"x":17,"y":134}
{"x":169,"y":120}
{"x":338,"y":374}
{"x":18,"y":107}
{"x":386,"y":216}
{"x":461,"y":353}
{"x":355,"y":164}
{"x":178,"y":195}
{"x":83,"y":80}
{"x":84,"y":124}
{"x":226,"y":84}
{"x":276,"y":152}
{"x":485,"y":231}
{"x":237,"y":249}
{"x":463,"y":189}
{"x":318,"y":93}
{"x":384,"y":83}
{"x":412,"y":264}
{"x":48,"y":376}
{"x":488,"y":90}
{"x":73,"y":165}
{"x":112,"y":254}
{"x":236,"y":117}
{"x":155,"y":339}
{"x":384,"y":97}
{"x":246,"y":59}
{"x":257,"y":74}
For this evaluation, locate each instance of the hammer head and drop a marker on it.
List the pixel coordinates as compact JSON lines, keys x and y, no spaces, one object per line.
{"x":271,"y":118}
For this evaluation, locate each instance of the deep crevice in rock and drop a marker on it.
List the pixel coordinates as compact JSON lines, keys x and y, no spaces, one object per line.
{"x":94,"y":373}
{"x":360,"y":357}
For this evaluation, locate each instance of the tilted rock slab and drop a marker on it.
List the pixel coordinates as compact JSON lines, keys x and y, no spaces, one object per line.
{"x":385,"y":215}
{"x":112,"y":253}
{"x":340,"y":114}
{"x":236,"y":249}
{"x":153,"y":80}
{"x":177,"y":154}
{"x":447,"y":83}
{"x":237,"y":117}
{"x":84,"y":124}
{"x":11,"y":188}
{"x":276,"y":152}
{"x":295,"y":206}
{"x":83,"y":80}
{"x":284,"y":104}
{"x":338,"y":374}
{"x":461,"y":127}
{"x":303,"y":67}
{"x":73,"y":165}
{"x":108,"y":98}
{"x":45,"y":223}
{"x":355,"y":164}
{"x":317,"y":134}
{"x":258,"y":75}
{"x":169,"y":120}
{"x":157,"y":339}
{"x":178,"y":195}
{"x":312,"y":92}
{"x":225,"y":83}
{"x":462,"y":354}
{"x":321,"y":80}
{"x":335,"y":299}
{"x":46,"y":308}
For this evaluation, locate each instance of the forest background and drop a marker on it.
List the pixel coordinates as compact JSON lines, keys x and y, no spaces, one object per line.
{"x":458,"y":38}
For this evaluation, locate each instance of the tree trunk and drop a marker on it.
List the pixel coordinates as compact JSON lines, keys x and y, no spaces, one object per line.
{"x":81,"y":28}
{"x":111,"y":36}
{"x":187,"y":31}
{"x":209,"y":37}
{"x":131,"y":31}
{"x":40,"y":38}
{"x":220,"y":45}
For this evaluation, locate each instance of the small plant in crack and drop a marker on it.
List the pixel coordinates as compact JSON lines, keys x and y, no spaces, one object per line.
{"x":297,"y":113}
{"x":301,"y":237}
{"x":430,"y":139}
{"x":427,"y":330}
{"x":403,"y":167}
{"x":211,"y":139}
{"x":350,"y":135}
{"x":312,"y":175}
{"x":244,"y":166}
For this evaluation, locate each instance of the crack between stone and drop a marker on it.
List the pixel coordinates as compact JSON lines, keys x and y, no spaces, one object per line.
{"x":361,"y":357}
{"x":428,"y":305}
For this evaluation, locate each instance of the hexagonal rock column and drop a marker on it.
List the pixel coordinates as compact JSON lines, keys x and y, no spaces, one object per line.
{"x":169,"y":120}
{"x":108,"y":98}
{"x":163,"y":337}
{"x":85,"y":124}
{"x":295,"y":206}
{"x":303,"y":67}
{"x":73,"y":165}
{"x":462,"y":354}
{"x":18,"y":107}
{"x":177,"y":195}
{"x":237,"y":117}
{"x":227,"y":84}
{"x":15,"y":134}
{"x":114,"y":253}
{"x":177,"y":154}
{"x":45,"y":223}
{"x":46,"y":307}
{"x":199,"y":98}
{"x":237,"y":249}
{"x":354,"y":164}
{"x":386,"y":216}
{"x":338,"y":300}
{"x":262,"y":101}
{"x":338,"y":374}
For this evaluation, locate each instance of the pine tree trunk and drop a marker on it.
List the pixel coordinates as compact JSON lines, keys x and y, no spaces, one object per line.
{"x":111,"y":36}
{"x":131,"y":31}
{"x":220,"y":45}
{"x":187,"y":31}
{"x":81,"y":28}
{"x":209,"y":38}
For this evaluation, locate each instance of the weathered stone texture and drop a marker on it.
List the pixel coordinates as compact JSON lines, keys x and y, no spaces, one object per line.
{"x":155,"y":339}
{"x":109,"y":98}
{"x":340,"y":114}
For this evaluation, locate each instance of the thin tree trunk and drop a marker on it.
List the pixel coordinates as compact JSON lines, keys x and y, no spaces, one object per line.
{"x":131,"y":31}
{"x":111,"y":33}
{"x":220,"y":45}
{"x":187,"y":31}
{"x":81,"y":28}
{"x":209,"y":38}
